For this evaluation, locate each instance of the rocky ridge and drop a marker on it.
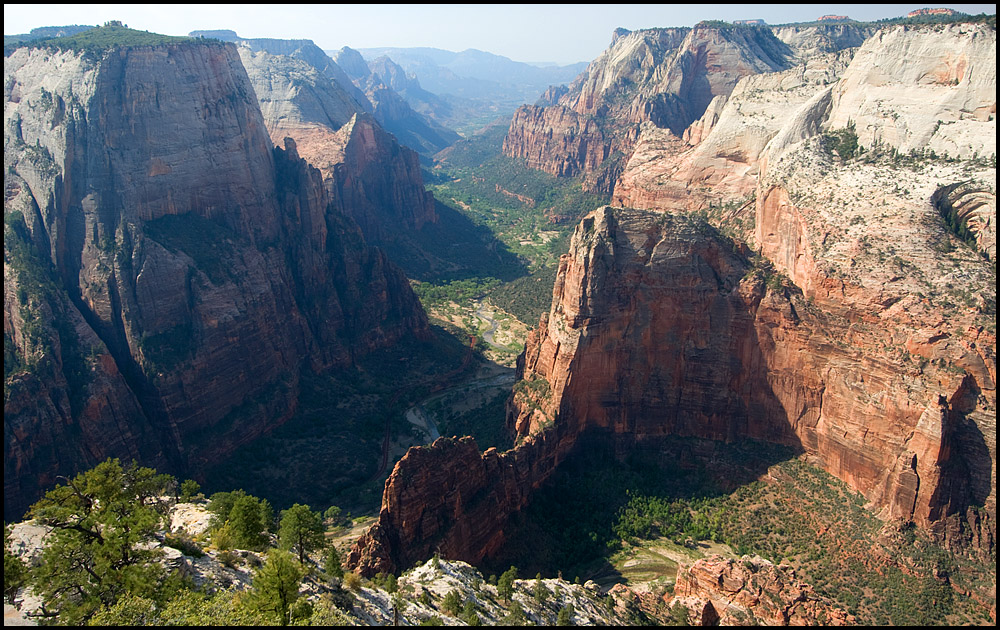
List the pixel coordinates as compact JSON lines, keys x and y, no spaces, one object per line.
{"x":424,"y":588}
{"x":751,"y":591}
{"x":381,"y":84}
{"x":368,"y":174}
{"x":133,"y":258}
{"x":862,"y":333}
{"x":666,"y":77}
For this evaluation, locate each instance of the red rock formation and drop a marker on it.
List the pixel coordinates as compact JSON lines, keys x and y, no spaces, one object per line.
{"x":724,"y":592}
{"x":368,"y":174}
{"x":658,"y":327}
{"x":450,"y":499}
{"x":664,"y":76}
{"x":627,"y":346}
{"x":183,"y":271}
{"x":556,"y":140}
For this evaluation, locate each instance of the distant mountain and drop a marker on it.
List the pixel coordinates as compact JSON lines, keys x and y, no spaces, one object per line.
{"x":479,"y":86}
{"x":46,"y":32}
{"x":412,"y":128}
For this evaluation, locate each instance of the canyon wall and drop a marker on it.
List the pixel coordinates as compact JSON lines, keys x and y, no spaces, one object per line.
{"x":666,"y":77}
{"x":368,"y":174}
{"x":856,"y":326}
{"x":149,"y":225}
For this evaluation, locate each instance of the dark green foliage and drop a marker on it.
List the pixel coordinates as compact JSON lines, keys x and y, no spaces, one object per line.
{"x":43,"y":305}
{"x":541,"y":592}
{"x":276,"y":586}
{"x":249,"y":519}
{"x":515,"y":616}
{"x":678,"y":615}
{"x":243,"y":518}
{"x":111,"y":35}
{"x":189,"y":490}
{"x":505,"y":585}
{"x":528,"y":297}
{"x":842,"y":142}
{"x":332,"y":562}
{"x":182,"y":542}
{"x":485,"y":423}
{"x":452,"y":603}
{"x":470,"y":613}
{"x":103,"y":522}
{"x":15,"y":572}
{"x":332,"y":514}
{"x":432,"y":621}
{"x":454,"y":291}
{"x":565,"y":617}
{"x":301,"y":529}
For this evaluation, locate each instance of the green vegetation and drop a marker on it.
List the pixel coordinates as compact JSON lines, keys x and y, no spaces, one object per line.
{"x":485,"y":423}
{"x":842,"y":142}
{"x":301,"y":529}
{"x":111,"y":35}
{"x":43,"y":308}
{"x":595,"y":515}
{"x":276,"y":586}
{"x":505,"y":585}
{"x":526,"y":298}
{"x":241,"y":520}
{"x":328,"y":452}
{"x":103,"y":521}
{"x":15,"y":571}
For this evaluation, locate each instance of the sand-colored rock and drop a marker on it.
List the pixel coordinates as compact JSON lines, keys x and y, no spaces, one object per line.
{"x":367,"y":173}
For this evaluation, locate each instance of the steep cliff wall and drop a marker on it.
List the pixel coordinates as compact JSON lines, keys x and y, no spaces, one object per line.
{"x":725,"y":592}
{"x":174,"y":272}
{"x":367,"y":173}
{"x":716,"y":164}
{"x":392,"y":109}
{"x":666,"y":77}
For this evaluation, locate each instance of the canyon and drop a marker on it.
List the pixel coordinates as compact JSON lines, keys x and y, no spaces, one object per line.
{"x":147,"y":236}
{"x":797,"y":249}
{"x":824,"y":305}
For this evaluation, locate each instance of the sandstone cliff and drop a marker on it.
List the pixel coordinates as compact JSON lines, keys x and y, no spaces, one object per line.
{"x":721,"y":592}
{"x":667,"y":77}
{"x":367,"y":173}
{"x":382,"y":86}
{"x":150,"y":225}
{"x":863,"y":333}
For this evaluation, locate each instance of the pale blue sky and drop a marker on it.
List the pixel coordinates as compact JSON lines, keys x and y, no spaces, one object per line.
{"x":562,"y":33}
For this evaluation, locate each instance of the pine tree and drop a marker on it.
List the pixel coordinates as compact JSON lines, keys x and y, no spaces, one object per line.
{"x":505,"y":585}
{"x":302,"y":529}
{"x":276,"y":585}
{"x":102,"y":544}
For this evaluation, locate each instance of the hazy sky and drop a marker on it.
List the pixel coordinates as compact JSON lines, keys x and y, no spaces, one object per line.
{"x":537,"y":32}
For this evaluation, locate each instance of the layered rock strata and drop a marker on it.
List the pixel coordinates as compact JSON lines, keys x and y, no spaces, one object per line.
{"x":720,"y":591}
{"x":390,"y":91}
{"x":666,"y":77}
{"x":449,"y":498}
{"x":659,"y":326}
{"x":168,"y":273}
{"x":368,"y":174}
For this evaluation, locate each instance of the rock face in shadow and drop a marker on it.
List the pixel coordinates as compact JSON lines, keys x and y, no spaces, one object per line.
{"x":168,"y":272}
{"x":661,"y":326}
{"x":367,"y":173}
